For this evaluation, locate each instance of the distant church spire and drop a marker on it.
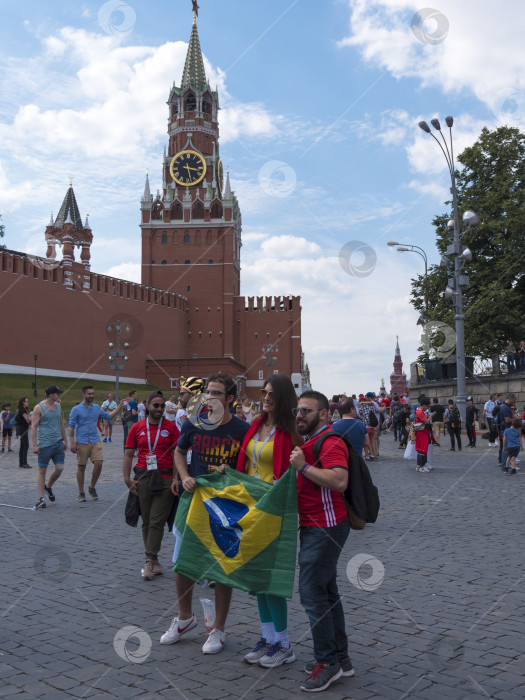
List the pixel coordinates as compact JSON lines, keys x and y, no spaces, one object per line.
{"x":398,"y":379}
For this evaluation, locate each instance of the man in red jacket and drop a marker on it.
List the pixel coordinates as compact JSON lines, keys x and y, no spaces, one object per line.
{"x":324,"y":528}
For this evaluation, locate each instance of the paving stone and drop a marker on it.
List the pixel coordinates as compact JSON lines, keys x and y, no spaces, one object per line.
{"x":442,"y":543}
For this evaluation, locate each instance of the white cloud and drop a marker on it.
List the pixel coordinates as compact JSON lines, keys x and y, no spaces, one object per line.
{"x":126,"y":271}
{"x":99,"y":108}
{"x":338,"y":306}
{"x":482,"y":53}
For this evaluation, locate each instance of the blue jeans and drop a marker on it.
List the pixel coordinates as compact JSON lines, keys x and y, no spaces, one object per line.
{"x":318,"y":556}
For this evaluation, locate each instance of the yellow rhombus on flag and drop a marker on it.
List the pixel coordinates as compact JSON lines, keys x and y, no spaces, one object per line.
{"x":240,"y":531}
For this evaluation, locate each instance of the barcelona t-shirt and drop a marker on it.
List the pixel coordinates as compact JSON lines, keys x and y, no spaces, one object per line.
{"x":212,"y":446}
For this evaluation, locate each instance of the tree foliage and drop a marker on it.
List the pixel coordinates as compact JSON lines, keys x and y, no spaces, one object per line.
{"x":2,"y":231}
{"x":492,"y":183}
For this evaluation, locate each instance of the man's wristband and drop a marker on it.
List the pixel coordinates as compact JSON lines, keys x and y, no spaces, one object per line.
{"x":304,"y":468}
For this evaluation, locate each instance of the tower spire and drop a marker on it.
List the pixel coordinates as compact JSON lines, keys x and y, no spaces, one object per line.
{"x":194,"y":74}
{"x":69,"y":210}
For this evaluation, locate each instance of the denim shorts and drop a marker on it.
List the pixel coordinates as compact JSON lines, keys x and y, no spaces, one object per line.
{"x":53,"y":452}
{"x":513,"y":451}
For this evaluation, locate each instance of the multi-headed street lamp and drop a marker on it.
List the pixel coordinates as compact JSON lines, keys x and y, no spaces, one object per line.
{"x":461,"y":256}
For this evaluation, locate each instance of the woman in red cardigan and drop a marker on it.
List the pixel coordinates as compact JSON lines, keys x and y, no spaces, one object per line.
{"x":265,"y":454}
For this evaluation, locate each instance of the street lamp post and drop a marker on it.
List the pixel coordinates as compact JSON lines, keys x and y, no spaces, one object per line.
{"x":410,"y":248}
{"x":268,"y":356}
{"x":461,"y":256}
{"x":118,"y":358}
{"x":34,"y":383}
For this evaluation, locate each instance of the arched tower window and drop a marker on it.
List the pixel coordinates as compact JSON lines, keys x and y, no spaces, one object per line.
{"x":216,"y":210}
{"x":186,"y":238}
{"x":164,"y":238}
{"x":191,"y":102}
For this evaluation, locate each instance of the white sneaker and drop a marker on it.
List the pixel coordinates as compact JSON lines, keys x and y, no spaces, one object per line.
{"x":424,"y":469}
{"x":215,"y":642}
{"x":277,"y":656}
{"x":429,"y":467}
{"x":177,"y":629}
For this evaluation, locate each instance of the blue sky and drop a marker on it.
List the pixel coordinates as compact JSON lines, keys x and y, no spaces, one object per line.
{"x":320,"y":104}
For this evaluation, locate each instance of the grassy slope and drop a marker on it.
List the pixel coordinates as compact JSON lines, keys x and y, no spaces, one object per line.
{"x":14,"y":386}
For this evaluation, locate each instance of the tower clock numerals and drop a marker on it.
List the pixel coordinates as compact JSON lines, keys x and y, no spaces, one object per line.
{"x":220,"y":175}
{"x":187,"y":168}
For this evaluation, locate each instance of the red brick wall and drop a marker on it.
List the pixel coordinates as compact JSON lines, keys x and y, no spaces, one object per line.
{"x":66,"y":328}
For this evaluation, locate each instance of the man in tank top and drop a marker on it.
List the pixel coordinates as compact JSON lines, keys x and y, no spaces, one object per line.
{"x":48,"y":435}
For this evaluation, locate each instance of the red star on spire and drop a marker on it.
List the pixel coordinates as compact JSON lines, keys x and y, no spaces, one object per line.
{"x":195,"y":7}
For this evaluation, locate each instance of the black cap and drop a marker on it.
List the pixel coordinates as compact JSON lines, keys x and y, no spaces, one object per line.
{"x":53,"y":389}
{"x":469,"y":398}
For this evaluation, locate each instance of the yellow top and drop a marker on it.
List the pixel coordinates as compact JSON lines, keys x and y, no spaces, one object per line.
{"x":263,"y":467}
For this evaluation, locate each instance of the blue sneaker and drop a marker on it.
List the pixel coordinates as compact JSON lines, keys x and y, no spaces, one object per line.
{"x":104,"y":440}
{"x":109,"y":439}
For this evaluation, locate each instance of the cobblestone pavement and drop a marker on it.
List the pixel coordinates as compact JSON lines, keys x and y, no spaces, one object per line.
{"x":434,"y":606}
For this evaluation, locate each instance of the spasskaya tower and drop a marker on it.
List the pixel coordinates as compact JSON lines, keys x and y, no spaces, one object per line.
{"x":191,"y":244}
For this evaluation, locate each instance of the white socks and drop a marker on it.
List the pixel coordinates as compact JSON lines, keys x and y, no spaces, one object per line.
{"x":283,"y":638}
{"x":268,"y":632}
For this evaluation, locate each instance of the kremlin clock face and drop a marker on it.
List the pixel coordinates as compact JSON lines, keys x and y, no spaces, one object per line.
{"x":188,"y":168}
{"x":220,"y":175}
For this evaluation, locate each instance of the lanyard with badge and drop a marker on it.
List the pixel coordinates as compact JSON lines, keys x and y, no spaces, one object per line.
{"x":257,"y":455}
{"x":151,"y":457}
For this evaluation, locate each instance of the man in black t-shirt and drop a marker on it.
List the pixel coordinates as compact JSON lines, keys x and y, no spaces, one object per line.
{"x":215,"y":438}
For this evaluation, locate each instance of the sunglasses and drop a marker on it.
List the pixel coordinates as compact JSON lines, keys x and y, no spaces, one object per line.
{"x":158,"y":405}
{"x":303,"y":411}
{"x":266,"y":394}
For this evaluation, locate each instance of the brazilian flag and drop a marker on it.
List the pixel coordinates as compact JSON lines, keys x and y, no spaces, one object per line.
{"x":240,"y":531}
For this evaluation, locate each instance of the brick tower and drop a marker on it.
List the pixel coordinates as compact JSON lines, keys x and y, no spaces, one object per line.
{"x":398,"y":379}
{"x":191,"y":243}
{"x":68,"y":232}
{"x":191,"y":231}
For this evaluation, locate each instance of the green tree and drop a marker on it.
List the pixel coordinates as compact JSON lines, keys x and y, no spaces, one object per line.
{"x":2,"y":230}
{"x":492,"y":183}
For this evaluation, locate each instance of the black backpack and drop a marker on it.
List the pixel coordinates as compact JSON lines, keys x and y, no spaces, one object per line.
{"x":400,"y":415}
{"x":454,"y":418}
{"x":361,"y":496}
{"x":372,"y":419}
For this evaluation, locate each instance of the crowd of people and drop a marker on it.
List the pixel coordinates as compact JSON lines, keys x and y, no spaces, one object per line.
{"x":206,"y":427}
